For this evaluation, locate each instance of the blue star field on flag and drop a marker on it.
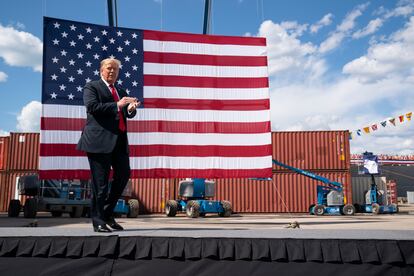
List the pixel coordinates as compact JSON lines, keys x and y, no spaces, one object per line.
{"x":73,"y":52}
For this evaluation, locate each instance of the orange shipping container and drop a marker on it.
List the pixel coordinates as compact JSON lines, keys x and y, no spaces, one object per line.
{"x":152,"y":193}
{"x":312,"y":150}
{"x":24,"y":152}
{"x":4,"y":150}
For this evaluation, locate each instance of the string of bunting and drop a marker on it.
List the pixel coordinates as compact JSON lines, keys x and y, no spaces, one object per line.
{"x":374,"y":127}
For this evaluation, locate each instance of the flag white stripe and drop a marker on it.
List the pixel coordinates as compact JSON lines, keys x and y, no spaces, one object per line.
{"x":206,"y":93}
{"x":203,"y":49}
{"x":166,"y":138}
{"x":156,"y":114}
{"x":143,"y":163}
{"x":205,"y":70}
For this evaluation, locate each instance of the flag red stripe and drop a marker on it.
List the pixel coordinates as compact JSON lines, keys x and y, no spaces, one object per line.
{"x":208,"y":39}
{"x":176,"y":58}
{"x":164,"y":126}
{"x":167,"y":150}
{"x":196,"y":104}
{"x":62,"y":124}
{"x":212,"y":82}
{"x":161,"y":173}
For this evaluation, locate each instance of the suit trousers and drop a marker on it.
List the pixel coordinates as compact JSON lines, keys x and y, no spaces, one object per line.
{"x":104,"y":199}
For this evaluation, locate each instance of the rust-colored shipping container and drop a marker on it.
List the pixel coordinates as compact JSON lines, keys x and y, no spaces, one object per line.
{"x":392,"y":191}
{"x":24,"y":152}
{"x":312,"y":150}
{"x":4,"y":150}
{"x":152,"y":193}
{"x":287,"y":192}
{"x":8,"y":182}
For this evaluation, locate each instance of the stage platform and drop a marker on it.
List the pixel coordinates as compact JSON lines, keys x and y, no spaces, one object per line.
{"x":246,"y":244}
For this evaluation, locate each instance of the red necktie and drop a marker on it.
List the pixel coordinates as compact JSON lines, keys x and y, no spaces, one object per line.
{"x":122,"y":126}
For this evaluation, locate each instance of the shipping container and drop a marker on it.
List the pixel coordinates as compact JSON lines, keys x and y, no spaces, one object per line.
{"x":286,"y":193}
{"x":361,"y":184}
{"x":152,"y":193}
{"x":23,"y":152}
{"x":392,"y":191}
{"x":312,"y":150}
{"x":8,"y":189}
{"x":4,"y":151}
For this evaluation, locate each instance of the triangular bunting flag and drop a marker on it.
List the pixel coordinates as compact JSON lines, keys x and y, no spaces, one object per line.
{"x":351,"y":135}
{"x":383,"y":123}
{"x":374,"y":127}
{"x":392,"y":121}
{"x":359,"y":132}
{"x":366,"y":129}
{"x":401,"y":118}
{"x":408,"y":115}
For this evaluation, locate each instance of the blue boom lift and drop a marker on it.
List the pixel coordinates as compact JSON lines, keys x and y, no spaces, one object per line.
{"x":194,"y":199}
{"x":374,"y":201}
{"x":331,"y":198}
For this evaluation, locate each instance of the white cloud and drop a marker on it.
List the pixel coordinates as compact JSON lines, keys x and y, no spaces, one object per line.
{"x":294,"y":28}
{"x":326,"y":20}
{"x":29,"y":118}
{"x":3,"y":76}
{"x":371,"y":28}
{"x":404,"y":8}
{"x":19,"y":48}
{"x":394,"y":57}
{"x":342,"y":30}
{"x":300,"y":101}
{"x":287,"y":54}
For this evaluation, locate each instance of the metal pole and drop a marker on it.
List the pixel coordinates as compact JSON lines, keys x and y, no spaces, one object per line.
{"x":207,"y":17}
{"x":110,"y":13}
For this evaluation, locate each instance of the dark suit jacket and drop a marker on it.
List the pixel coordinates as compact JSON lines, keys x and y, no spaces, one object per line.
{"x":102,"y":123}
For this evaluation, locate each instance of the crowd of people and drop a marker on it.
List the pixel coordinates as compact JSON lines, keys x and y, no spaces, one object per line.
{"x":387,"y":157}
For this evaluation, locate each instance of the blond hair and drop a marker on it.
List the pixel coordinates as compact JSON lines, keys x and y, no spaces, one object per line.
{"x":109,"y":60}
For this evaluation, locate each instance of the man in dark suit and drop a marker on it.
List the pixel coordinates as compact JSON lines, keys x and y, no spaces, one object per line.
{"x":104,"y":139}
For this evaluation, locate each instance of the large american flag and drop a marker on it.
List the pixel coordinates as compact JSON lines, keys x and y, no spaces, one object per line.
{"x":206,"y":101}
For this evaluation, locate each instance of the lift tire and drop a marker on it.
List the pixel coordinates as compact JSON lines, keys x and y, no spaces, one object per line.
{"x":226,"y":207}
{"x":133,"y":208}
{"x":319,"y":210}
{"x":375,"y":208}
{"x":76,"y":212}
{"x":30,"y":208}
{"x":310,"y":208}
{"x":56,"y":214}
{"x":348,"y":210}
{"x":14,"y":208}
{"x":192,"y":209}
{"x":171,"y":208}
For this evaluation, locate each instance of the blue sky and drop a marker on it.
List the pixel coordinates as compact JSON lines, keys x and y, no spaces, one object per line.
{"x":333,"y":64}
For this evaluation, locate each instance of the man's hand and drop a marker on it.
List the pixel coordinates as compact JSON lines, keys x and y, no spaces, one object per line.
{"x":124,"y":101}
{"x":132,"y":106}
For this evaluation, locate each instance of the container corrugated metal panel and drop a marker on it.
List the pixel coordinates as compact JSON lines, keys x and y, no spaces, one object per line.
{"x":4,"y":151}
{"x":152,"y":194}
{"x":287,"y":192}
{"x":312,"y":150}
{"x":4,"y":192}
{"x":392,"y":191}
{"x":361,"y":184}
{"x":24,"y":152}
{"x":8,"y":187}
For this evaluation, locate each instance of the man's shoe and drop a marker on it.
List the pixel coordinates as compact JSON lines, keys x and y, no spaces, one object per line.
{"x":116,"y":226}
{"x":102,"y":229}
